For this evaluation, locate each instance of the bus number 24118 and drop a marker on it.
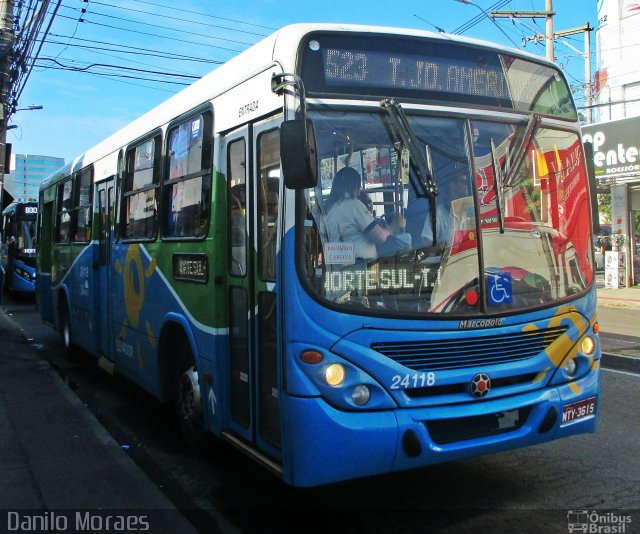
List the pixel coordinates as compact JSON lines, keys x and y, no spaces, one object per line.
{"x":415,"y":380}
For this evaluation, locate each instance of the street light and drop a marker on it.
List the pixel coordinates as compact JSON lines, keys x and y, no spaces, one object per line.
{"x":30,"y":108}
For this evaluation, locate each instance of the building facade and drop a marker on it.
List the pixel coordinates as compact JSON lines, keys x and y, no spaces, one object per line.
{"x":27,"y":172}
{"x":615,"y":133}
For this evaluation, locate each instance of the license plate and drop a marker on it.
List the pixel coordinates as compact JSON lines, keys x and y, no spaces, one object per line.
{"x":579,"y":410}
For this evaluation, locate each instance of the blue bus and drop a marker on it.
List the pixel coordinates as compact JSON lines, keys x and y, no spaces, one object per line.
{"x":215,"y":251}
{"x":18,"y":246}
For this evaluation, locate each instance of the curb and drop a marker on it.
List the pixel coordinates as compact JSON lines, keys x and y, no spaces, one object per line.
{"x":620,"y":362}
{"x":619,"y":303}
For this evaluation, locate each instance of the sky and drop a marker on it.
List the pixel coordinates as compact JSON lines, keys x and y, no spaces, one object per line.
{"x":100,"y":69}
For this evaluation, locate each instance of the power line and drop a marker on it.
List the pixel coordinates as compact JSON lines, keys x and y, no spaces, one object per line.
{"x":190,"y":21}
{"x":200,"y":14}
{"x":175,"y":39}
{"x":128,"y":81}
{"x":107,"y":65}
{"x":131,"y":50}
{"x":156,"y":26}
{"x":116,"y":75}
{"x":21,"y":82}
{"x":75,"y":29}
{"x":146,"y":64}
{"x":478,"y":18}
{"x":613,"y":103}
{"x":486,"y":15}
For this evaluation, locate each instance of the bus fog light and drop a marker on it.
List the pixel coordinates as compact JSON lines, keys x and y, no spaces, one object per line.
{"x":571,"y":367}
{"x":588,"y":345}
{"x":334,"y":374}
{"x":360,"y":395}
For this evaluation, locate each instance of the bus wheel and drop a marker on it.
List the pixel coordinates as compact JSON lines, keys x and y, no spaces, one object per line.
{"x":70,"y":350}
{"x":187,"y":401}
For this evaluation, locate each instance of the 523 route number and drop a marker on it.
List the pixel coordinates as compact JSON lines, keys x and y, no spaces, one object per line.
{"x":415,"y":380}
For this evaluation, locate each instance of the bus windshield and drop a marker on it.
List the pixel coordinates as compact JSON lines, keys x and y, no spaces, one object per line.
{"x":26,"y":231}
{"x":506,"y":229}
{"x":20,"y":229}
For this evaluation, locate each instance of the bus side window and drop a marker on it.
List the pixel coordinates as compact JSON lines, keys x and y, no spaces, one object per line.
{"x":187,"y":187}
{"x":268,"y":202}
{"x":63,"y":220}
{"x":140,"y":190}
{"x":82,"y":206}
{"x":236,"y":209}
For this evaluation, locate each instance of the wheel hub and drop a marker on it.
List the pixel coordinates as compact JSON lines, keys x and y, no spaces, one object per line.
{"x":189,"y":396}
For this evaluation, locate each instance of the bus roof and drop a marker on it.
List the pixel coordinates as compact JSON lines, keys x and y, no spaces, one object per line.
{"x":279,"y":49}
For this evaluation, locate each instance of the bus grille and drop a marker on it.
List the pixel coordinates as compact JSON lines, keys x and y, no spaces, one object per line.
{"x":458,"y":353}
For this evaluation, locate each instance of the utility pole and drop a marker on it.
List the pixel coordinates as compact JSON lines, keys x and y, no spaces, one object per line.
{"x":587,"y":72}
{"x":7,"y":38}
{"x":547,"y":15}
{"x":549,"y":27}
{"x":550,"y":36}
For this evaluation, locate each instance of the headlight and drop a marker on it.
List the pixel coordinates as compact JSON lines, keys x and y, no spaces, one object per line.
{"x":334,"y":374}
{"x":588,"y":345}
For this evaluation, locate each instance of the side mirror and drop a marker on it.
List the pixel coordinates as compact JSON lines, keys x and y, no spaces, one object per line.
{"x":298,"y":154}
{"x":593,"y":187}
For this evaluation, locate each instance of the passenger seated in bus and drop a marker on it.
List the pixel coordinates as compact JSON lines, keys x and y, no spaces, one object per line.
{"x":348,"y":220}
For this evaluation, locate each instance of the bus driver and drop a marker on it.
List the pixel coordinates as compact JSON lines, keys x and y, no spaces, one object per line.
{"x":349,"y":220}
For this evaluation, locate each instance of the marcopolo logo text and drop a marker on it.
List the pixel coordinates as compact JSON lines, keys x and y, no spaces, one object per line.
{"x":480,"y":323}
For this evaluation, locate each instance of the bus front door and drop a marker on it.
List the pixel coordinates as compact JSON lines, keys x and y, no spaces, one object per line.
{"x":101,"y":266}
{"x":252,"y":171}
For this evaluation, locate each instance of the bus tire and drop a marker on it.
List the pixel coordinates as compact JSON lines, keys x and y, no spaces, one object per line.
{"x":70,"y":350}
{"x":187,"y":401}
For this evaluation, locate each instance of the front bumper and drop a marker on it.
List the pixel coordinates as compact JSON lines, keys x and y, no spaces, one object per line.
{"x":329,"y":445}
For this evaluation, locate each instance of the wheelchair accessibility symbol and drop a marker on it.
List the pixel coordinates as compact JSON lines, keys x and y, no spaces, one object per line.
{"x":499,"y":288}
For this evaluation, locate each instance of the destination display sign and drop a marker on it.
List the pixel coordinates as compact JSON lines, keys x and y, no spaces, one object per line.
{"x":425,"y":69}
{"x":413,"y":71}
{"x":27,"y":210}
{"x":191,"y":267}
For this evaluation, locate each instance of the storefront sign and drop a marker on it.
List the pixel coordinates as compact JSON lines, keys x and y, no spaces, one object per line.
{"x":616,"y":147}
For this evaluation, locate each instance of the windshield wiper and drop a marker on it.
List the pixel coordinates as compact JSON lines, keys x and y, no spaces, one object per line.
{"x":513,"y":161}
{"x":519,"y":154}
{"x":422,"y":163}
{"x":498,"y":184}
{"x":421,"y":160}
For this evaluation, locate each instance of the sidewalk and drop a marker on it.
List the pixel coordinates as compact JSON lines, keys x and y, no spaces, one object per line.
{"x":58,"y":466}
{"x":627,"y":297}
{"x":624,"y":298}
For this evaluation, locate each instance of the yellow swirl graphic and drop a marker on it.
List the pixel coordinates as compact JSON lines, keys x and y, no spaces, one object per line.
{"x":133,"y":298}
